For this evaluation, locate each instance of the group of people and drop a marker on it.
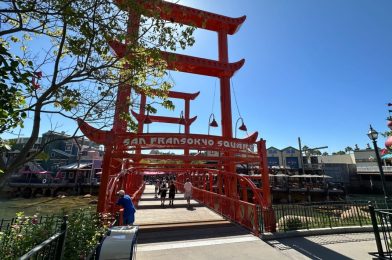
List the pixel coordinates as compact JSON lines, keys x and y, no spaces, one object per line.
{"x":161,"y":189}
{"x":125,"y":200}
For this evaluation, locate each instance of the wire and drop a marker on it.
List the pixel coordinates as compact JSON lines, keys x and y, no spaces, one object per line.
{"x":235,"y":98}
{"x":213,"y":98}
{"x":236,"y":103}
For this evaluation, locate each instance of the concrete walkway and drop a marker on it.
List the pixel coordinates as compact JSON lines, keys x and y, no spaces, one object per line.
{"x":172,"y":233}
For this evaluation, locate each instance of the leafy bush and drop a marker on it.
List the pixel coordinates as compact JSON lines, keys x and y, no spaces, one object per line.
{"x":293,"y":224}
{"x":83,"y":233}
{"x":24,"y":234}
{"x":84,"y":230}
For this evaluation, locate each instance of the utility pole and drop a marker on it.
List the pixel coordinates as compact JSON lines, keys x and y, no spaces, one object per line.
{"x":300,"y":155}
{"x":306,"y":152}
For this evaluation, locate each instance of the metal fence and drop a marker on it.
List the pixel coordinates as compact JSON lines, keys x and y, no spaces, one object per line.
{"x":25,"y":234}
{"x":6,"y":224}
{"x":322,"y":215}
{"x":52,"y":248}
{"x":381,"y":221}
{"x":13,"y":230}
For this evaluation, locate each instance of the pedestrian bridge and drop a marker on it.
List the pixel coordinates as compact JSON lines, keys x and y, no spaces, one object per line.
{"x":196,"y":233}
{"x":173,"y":233}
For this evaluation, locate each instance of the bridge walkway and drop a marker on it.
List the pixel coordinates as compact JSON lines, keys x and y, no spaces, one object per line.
{"x":196,"y":233}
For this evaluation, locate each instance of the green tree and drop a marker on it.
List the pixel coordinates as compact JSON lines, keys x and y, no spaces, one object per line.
{"x":348,"y":149}
{"x":315,"y":152}
{"x":55,"y":59}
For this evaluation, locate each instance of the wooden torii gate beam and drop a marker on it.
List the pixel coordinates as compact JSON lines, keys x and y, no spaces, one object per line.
{"x":188,"y":15}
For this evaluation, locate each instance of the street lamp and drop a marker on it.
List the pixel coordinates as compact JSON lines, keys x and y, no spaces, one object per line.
{"x":242,"y":126}
{"x":373,"y":135}
{"x":212,"y":123}
{"x":147,"y":119}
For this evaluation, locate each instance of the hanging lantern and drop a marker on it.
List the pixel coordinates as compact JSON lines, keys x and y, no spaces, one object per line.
{"x":388,"y":143}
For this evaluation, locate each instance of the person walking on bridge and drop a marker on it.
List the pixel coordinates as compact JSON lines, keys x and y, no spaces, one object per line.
{"x":172,"y":193}
{"x":163,"y":191}
{"x":129,"y":209}
{"x":156,"y":188}
{"x":188,"y":191}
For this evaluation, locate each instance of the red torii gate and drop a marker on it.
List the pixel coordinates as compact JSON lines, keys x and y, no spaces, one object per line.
{"x":217,"y":184}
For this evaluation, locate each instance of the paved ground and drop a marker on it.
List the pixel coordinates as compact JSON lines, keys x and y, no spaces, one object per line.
{"x":172,"y":233}
{"x":337,"y":246}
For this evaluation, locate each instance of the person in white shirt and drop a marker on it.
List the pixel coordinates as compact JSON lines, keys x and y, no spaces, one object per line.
{"x":188,"y":192}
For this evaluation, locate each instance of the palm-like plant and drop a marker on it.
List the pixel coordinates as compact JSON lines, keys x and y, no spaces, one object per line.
{"x":348,"y":149}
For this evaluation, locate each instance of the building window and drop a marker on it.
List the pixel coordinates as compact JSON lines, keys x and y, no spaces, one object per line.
{"x":292,"y":162}
{"x":273,"y":161}
{"x":68,"y":147}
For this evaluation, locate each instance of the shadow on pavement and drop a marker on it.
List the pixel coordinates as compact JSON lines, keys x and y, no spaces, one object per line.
{"x":195,"y":231}
{"x":308,"y":248}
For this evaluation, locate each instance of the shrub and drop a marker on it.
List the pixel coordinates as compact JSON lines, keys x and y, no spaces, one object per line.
{"x":24,"y":234}
{"x":83,"y":233}
{"x":293,"y":222}
{"x":84,"y":230}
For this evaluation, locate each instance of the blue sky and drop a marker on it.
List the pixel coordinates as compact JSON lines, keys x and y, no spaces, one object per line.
{"x":319,"y":70}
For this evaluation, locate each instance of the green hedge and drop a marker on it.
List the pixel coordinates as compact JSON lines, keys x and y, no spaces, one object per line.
{"x":83,"y":233}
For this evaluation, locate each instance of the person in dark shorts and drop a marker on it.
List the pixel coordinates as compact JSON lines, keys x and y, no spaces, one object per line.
{"x":163,"y":191}
{"x":172,"y":193}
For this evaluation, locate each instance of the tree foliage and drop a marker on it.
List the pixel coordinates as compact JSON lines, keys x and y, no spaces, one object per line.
{"x":55,"y":60}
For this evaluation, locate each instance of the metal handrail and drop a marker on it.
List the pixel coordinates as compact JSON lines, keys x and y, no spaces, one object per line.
{"x":60,"y":236}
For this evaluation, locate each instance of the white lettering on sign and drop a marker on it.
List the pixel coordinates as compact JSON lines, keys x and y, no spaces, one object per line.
{"x":134,"y":141}
{"x":187,"y":141}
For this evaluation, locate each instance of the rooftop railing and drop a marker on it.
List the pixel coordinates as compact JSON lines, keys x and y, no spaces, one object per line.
{"x":374,"y":169}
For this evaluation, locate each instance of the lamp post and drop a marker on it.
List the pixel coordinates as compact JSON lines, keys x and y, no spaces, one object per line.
{"x":212,"y":123}
{"x":373,"y":135}
{"x":242,"y":126}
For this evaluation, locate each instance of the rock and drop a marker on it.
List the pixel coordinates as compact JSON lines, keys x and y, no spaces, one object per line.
{"x":87,"y":196}
{"x":354,"y":212}
{"x":93,"y":202}
{"x":62,"y":193}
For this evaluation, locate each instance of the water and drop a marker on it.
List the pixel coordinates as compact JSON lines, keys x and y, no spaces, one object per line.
{"x":44,"y":206}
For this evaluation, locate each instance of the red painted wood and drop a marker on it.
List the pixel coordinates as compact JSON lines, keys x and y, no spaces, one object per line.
{"x":189,"y":16}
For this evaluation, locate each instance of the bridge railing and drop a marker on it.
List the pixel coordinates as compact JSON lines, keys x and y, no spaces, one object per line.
{"x":233,"y":196}
{"x":243,"y":213}
{"x":131,"y":182}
